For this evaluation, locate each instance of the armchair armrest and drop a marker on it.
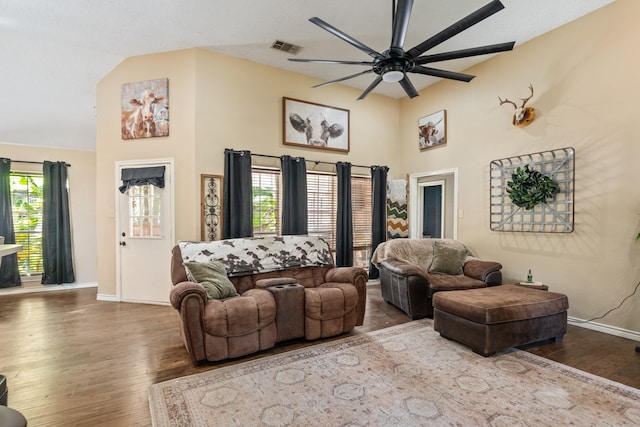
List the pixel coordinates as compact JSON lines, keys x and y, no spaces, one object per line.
{"x":345,"y":274}
{"x":184,"y":289}
{"x":357,"y":277}
{"x":190,"y":299}
{"x":403,"y":268}
{"x":487,"y":271}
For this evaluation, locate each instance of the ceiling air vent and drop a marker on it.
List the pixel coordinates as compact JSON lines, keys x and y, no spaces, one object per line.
{"x":286,"y":47}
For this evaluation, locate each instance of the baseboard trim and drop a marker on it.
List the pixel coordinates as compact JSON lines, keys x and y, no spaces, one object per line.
{"x":107,"y":297}
{"x":607,"y":329}
{"x":46,"y":288}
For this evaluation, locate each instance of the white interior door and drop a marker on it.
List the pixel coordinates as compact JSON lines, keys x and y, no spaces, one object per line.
{"x":145,"y":230}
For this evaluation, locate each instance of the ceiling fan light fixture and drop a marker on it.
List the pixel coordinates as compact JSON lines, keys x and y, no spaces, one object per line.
{"x":395,"y":64}
{"x":393,"y":76}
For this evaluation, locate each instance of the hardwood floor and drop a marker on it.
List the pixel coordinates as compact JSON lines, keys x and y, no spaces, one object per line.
{"x":73,"y":361}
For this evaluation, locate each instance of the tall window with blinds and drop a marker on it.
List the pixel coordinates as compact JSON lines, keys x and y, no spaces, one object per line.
{"x":26,"y":201}
{"x":362,"y":217}
{"x":266,"y":202}
{"x":322,"y":199}
{"x":322,"y":202}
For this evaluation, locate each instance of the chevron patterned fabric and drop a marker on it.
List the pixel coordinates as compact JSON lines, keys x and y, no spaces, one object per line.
{"x":397,"y":215}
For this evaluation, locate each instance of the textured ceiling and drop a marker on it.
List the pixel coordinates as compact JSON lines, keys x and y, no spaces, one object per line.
{"x":53,"y":52}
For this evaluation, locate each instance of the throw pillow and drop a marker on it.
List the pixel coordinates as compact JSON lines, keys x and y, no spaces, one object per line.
{"x":447,"y":260}
{"x":213,"y":276}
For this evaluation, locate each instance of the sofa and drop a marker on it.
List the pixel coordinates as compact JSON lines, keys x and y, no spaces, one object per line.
{"x":413,"y":270}
{"x":282,"y":288}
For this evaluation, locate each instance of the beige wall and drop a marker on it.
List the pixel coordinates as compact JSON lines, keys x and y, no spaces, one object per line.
{"x":82,"y":184}
{"x":585,"y":93}
{"x":179,"y":68}
{"x":585,"y":80}
{"x":219,"y":102}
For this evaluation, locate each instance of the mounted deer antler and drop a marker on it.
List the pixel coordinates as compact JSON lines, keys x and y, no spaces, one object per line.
{"x":522,"y":115}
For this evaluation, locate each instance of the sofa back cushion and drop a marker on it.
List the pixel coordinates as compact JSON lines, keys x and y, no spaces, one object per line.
{"x":418,"y":252}
{"x":306,"y":276}
{"x":251,"y":255}
{"x":309,"y":277}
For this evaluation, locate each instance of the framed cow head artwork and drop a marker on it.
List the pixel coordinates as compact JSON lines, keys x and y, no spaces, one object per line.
{"x":432,"y":130}
{"x":145,"y":109}
{"x":311,"y":125}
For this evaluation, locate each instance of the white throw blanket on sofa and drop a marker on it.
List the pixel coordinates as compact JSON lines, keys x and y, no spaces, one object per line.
{"x":418,"y":252}
{"x":252,"y":255}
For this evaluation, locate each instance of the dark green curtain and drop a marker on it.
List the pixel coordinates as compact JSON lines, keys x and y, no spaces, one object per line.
{"x":57,"y":256}
{"x":237,"y":204}
{"x":344,"y":220}
{"x":378,"y":212}
{"x":294,"y":195}
{"x":9,"y":274}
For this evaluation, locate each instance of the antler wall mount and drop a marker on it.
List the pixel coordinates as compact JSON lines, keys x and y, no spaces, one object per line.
{"x":522,"y":115}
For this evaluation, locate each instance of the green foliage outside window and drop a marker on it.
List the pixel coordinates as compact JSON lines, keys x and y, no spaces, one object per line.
{"x":265,"y":212}
{"x":26,"y":200}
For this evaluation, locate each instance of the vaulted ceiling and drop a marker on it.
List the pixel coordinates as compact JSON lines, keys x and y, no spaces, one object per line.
{"x":53,"y":53}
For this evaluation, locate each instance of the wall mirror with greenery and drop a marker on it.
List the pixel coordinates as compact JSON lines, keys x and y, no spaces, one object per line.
{"x":533,"y":192}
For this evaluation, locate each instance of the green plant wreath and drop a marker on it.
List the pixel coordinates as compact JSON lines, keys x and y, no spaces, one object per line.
{"x":528,"y":188}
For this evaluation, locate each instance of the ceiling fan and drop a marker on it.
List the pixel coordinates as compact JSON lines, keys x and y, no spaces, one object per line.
{"x":393,"y":64}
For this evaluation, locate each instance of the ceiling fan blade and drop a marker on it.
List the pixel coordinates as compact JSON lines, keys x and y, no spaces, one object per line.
{"x":465,"y":53}
{"x":330,"y":61}
{"x":427,"y":71}
{"x":353,"y":42}
{"x":466,"y":22}
{"x":372,"y":86}
{"x":401,"y":23}
{"x":343,"y":78}
{"x":408,"y":87}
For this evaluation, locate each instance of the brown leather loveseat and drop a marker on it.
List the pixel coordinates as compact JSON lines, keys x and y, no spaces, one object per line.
{"x":286,"y":287}
{"x":413,"y":270}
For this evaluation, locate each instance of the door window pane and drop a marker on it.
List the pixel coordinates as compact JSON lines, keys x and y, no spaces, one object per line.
{"x":144,"y":211}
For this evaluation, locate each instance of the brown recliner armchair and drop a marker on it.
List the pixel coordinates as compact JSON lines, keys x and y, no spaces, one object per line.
{"x":288,"y":288}
{"x":409,"y":279}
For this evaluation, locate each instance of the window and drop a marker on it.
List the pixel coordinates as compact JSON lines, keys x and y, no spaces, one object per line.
{"x":26,"y":201}
{"x":266,"y":202}
{"x":322,"y":205}
{"x":362,"y":214}
{"x":145,"y":204}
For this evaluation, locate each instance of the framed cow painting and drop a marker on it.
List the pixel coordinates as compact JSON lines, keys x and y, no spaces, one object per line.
{"x":311,"y":125}
{"x":145,"y":109}
{"x":432,"y":130}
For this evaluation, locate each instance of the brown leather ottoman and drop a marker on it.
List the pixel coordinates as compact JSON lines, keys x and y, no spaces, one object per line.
{"x":496,"y":318}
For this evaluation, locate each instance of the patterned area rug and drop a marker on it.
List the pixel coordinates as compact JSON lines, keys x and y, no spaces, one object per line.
{"x":406,"y":375}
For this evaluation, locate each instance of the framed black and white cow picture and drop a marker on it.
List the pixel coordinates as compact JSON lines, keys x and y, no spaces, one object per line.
{"x":312,"y":125}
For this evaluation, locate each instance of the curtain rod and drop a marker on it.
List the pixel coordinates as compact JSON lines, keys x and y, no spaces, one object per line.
{"x":312,"y":161}
{"x":33,"y":163}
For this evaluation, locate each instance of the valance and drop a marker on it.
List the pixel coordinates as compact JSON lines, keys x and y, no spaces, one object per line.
{"x":142,"y":176}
